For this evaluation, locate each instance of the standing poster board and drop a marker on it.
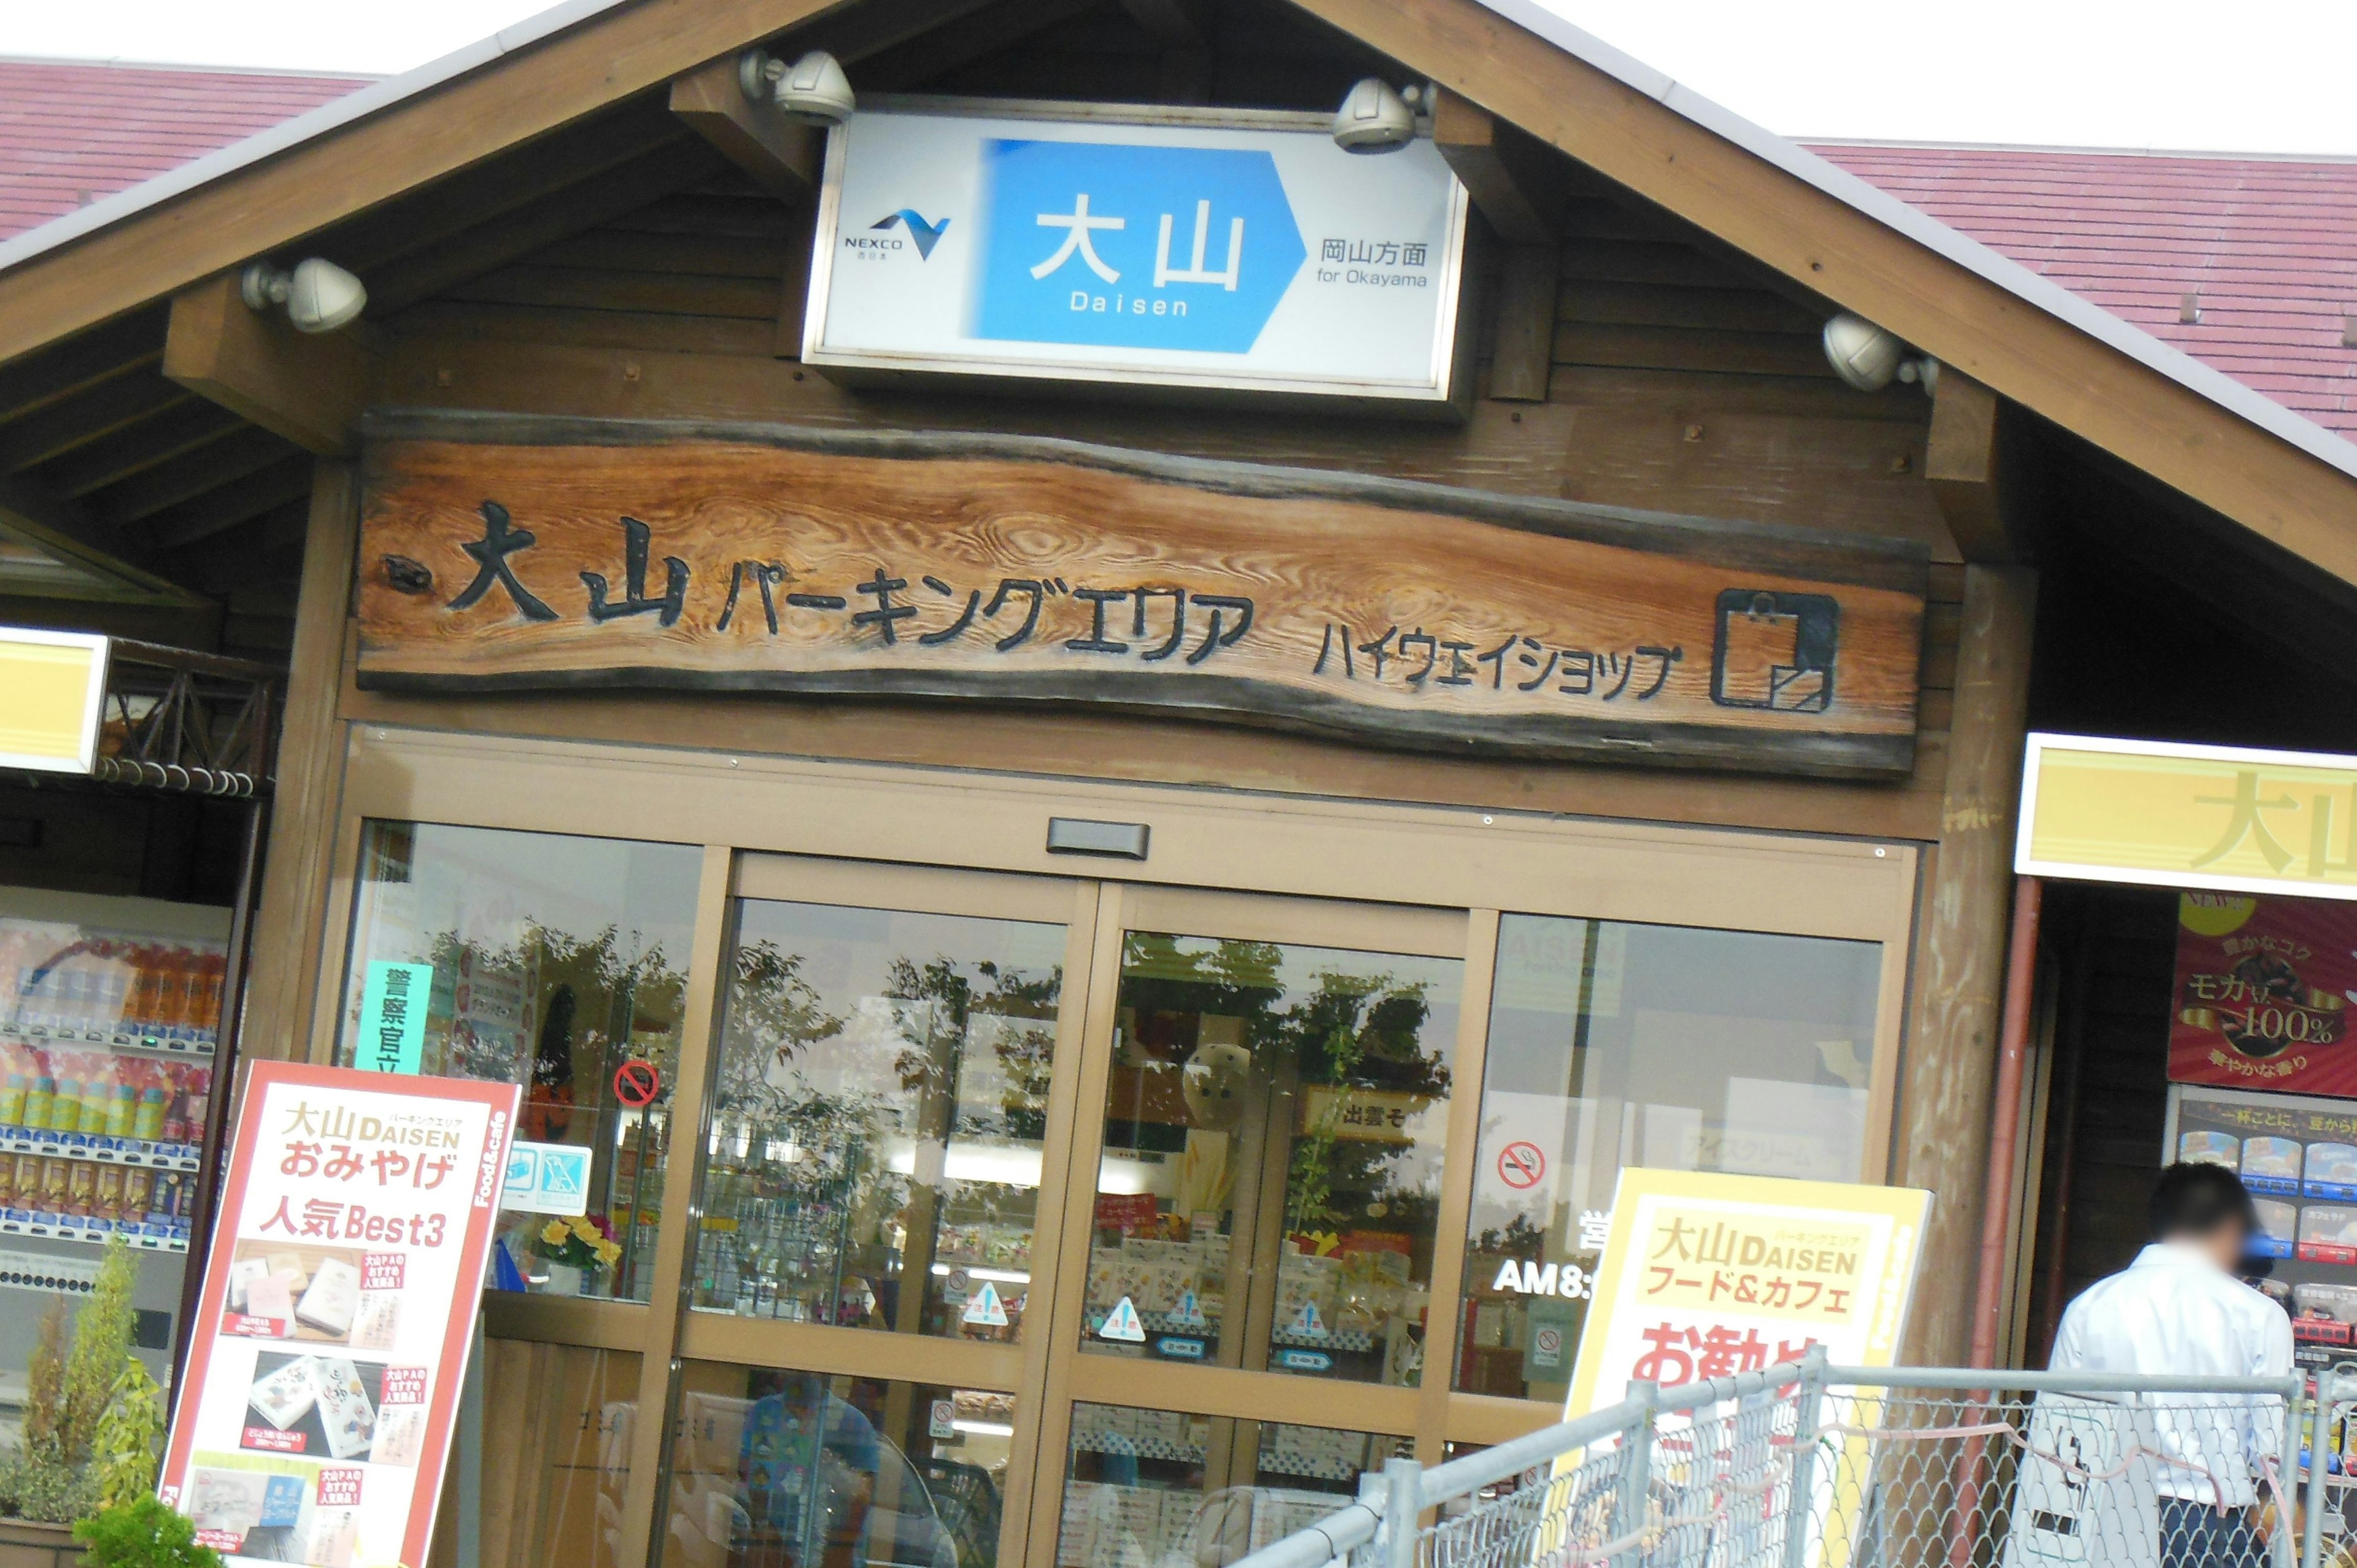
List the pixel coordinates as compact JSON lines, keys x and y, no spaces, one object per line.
{"x":1708,"y":1275}
{"x":313,"y":1418}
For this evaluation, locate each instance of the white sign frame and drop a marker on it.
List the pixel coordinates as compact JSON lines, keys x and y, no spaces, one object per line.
{"x":1440,"y":389}
{"x":94,"y":705}
{"x":2027,"y":864}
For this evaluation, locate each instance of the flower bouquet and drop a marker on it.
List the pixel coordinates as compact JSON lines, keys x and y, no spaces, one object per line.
{"x":574,"y":1250}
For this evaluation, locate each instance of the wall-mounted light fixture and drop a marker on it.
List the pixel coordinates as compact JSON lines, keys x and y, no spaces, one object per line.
{"x":1374,"y":118}
{"x":1869,"y":357}
{"x":813,"y":90}
{"x":319,"y":295}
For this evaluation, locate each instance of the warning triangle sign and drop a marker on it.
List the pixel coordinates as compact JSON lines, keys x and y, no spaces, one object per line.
{"x":1122,"y":1323}
{"x":983,"y":1307}
{"x":1191,"y":1310}
{"x":1307,"y":1322}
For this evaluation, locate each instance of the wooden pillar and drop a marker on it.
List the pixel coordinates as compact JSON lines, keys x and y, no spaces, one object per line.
{"x":288,"y":924}
{"x":1949,"y":1068}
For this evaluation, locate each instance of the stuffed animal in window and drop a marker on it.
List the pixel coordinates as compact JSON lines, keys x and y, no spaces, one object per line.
{"x":1214,"y":1082}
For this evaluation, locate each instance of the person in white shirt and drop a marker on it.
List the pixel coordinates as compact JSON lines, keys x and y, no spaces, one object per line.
{"x":2179,"y":1309}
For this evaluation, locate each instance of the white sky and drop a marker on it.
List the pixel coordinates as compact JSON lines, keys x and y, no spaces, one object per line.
{"x":2161,"y":73}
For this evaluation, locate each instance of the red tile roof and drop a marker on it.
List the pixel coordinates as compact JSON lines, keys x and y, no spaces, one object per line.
{"x":72,"y":131}
{"x":2267,"y":247}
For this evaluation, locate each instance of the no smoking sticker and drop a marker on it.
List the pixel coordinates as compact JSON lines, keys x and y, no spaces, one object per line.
{"x":1522,"y":1164}
{"x":636,"y":1083}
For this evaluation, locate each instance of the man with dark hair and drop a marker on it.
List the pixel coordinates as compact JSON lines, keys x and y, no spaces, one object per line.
{"x":2179,"y":1308}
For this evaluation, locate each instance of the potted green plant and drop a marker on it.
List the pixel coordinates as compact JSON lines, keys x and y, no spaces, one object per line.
{"x":141,"y":1532}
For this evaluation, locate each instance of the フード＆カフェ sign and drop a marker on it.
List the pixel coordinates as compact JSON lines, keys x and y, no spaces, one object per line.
{"x":507,"y":553}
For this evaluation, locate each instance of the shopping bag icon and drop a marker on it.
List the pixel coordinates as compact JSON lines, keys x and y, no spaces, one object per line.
{"x":1775,"y":650}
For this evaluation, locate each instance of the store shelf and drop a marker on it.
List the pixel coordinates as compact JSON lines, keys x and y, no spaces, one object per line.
{"x":1304,"y":1465}
{"x":66,"y":1228}
{"x":104,"y":1150}
{"x":150,"y":1044}
{"x":1137,"y":1447}
{"x":1161,"y":1322}
{"x":1357,"y":1339}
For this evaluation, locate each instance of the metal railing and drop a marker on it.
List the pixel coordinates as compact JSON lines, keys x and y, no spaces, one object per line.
{"x":1810,"y":1466}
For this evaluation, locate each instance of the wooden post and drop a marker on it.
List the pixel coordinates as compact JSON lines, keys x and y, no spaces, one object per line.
{"x":287,"y":926}
{"x":1949,"y":1067}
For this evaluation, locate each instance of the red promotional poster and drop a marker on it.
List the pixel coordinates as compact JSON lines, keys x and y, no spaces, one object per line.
{"x":2265,"y":990}
{"x":313,"y":1418}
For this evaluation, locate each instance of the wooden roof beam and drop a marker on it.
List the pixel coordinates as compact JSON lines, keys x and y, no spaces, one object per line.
{"x":552,"y":216}
{"x":308,"y":388}
{"x":185,"y":427}
{"x":75,"y":423}
{"x":783,"y":157}
{"x":977,"y":33}
{"x":854,"y":33}
{"x":248,"y":450}
{"x":1468,"y":138}
{"x":1183,"y":31}
{"x":2046,"y":364}
{"x":1968,"y":466}
{"x":281,"y":484}
{"x":1503,"y":186}
{"x":127,"y":345}
{"x":387,"y":235}
{"x":229,"y":220}
{"x":1172,"y":24}
{"x":71,"y":534}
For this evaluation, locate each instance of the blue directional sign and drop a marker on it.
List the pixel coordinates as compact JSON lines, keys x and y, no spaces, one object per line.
{"x":1113,"y":245}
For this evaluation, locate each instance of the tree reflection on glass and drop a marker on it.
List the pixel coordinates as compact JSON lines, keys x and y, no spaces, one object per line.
{"x":878,"y":1103}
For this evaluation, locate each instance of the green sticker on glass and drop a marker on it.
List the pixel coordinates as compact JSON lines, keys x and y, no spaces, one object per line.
{"x":1552,"y":1340}
{"x":393,"y":1018}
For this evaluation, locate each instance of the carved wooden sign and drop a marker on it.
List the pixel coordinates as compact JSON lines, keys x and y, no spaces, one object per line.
{"x":503,"y":553}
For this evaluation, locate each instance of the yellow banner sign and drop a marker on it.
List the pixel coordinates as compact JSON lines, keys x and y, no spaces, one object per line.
{"x":52,"y":696}
{"x":1362,"y":1115}
{"x":2189,"y":816}
{"x":1708,"y":1275}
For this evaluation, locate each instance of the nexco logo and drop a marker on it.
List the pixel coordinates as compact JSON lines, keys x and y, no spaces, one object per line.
{"x":926,"y":235}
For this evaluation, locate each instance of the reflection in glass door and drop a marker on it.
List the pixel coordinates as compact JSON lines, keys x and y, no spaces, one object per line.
{"x":877,"y":1142}
{"x":877,"y":1117}
{"x":1274,"y":1123}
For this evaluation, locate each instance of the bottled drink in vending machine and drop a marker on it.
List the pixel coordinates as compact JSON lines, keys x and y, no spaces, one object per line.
{"x":147,"y":1119}
{"x":97,"y":1088}
{"x":214,"y":970}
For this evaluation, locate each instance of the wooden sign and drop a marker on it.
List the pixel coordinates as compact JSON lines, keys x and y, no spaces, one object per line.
{"x":500,"y":553}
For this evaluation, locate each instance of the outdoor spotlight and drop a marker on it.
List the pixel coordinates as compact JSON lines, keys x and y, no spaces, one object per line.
{"x":319,"y":295}
{"x":1373,"y":119}
{"x":813,"y":90}
{"x":1869,"y":359}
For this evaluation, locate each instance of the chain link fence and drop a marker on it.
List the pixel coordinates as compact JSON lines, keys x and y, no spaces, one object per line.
{"x":1806,"y":1466}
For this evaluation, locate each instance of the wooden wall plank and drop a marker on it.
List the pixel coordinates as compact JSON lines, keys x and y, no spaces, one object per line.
{"x":1523,"y":343}
{"x":1767,"y":449}
{"x":583,"y":288}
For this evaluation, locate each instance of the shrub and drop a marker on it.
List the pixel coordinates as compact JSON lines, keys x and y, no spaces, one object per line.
{"x":143,"y":1533}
